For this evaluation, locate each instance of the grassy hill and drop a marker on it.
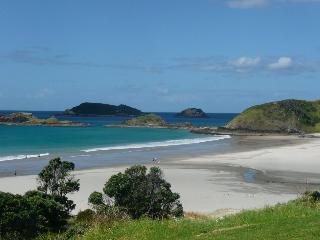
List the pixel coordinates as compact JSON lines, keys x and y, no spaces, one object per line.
{"x":295,"y":220}
{"x":287,"y":116}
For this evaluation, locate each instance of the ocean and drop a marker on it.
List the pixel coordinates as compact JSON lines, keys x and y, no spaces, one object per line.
{"x":26,"y":149}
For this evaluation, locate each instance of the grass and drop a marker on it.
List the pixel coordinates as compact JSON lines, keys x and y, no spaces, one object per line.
{"x":295,"y":220}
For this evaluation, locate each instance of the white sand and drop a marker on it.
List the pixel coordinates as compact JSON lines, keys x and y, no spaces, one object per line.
{"x":203,"y":190}
{"x":304,"y":158}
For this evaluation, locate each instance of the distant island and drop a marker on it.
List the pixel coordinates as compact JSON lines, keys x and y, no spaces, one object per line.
{"x":101,"y":109}
{"x":153,"y":121}
{"x":27,"y":119}
{"x":192,"y":113}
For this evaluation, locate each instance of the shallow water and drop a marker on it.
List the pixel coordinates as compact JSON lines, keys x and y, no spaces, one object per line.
{"x":27,"y":148}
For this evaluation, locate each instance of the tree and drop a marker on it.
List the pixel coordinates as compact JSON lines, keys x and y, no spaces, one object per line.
{"x":141,"y":193}
{"x":56,"y":179}
{"x":24,"y":217}
{"x":96,"y":199}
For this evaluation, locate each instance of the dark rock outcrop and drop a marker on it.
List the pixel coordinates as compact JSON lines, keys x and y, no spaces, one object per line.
{"x":100,"y":109}
{"x":192,"y":113}
{"x":27,"y":119}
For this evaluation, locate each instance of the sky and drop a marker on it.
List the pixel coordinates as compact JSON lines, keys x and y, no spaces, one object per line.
{"x":164,"y":55}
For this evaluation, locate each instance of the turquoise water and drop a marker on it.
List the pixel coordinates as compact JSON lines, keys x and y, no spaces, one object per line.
{"x":30,"y":140}
{"x":27,"y":149}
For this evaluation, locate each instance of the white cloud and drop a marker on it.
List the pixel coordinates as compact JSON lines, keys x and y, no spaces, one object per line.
{"x":42,"y":93}
{"x":245,"y":62}
{"x":301,"y":1}
{"x":281,"y":63}
{"x":162,"y":90}
{"x":246,"y":3}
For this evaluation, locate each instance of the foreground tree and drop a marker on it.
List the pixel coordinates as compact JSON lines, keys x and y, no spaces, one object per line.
{"x":24,"y":217}
{"x":56,"y":179}
{"x":141,"y":194}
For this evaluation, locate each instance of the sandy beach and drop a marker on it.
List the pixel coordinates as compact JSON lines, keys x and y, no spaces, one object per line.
{"x":217,"y":184}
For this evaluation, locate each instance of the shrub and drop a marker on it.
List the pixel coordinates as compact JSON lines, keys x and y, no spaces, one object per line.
{"x":85,"y":216}
{"x":312,"y":196}
{"x":23,"y":217}
{"x":139,"y":193}
{"x":96,"y":199}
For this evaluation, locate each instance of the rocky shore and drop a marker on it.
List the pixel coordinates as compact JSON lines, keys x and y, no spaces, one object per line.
{"x":152,"y":121}
{"x":27,"y":119}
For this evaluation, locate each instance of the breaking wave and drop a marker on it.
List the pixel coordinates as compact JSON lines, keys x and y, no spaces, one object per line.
{"x":159,"y":144}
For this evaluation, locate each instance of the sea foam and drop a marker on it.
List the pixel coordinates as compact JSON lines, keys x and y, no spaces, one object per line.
{"x":26,"y":156}
{"x":159,"y":144}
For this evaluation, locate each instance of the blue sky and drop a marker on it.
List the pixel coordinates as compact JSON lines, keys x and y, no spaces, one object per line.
{"x":165,"y":55}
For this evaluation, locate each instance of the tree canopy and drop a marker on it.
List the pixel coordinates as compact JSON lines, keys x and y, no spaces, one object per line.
{"x":142,"y":194}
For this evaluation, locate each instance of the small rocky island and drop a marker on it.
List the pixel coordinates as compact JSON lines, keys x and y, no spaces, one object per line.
{"x":101,"y":109}
{"x":153,"y":121}
{"x":27,"y":119}
{"x":192,"y":113}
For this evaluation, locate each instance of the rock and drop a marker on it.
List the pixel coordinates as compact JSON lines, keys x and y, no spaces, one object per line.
{"x":148,"y":120}
{"x":27,"y":119}
{"x":192,"y":113}
{"x":100,"y":109}
{"x":19,"y":117}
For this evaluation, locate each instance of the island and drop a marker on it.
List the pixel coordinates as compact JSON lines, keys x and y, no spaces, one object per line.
{"x":152,"y":121}
{"x":28,"y":119}
{"x":101,"y":109}
{"x":287,"y":116}
{"x":192,"y":113}
{"x":298,"y":117}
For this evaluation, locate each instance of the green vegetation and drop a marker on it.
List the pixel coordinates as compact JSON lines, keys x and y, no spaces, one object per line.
{"x":47,"y":210}
{"x":288,"y":116}
{"x":142,"y":207}
{"x":23,"y":217}
{"x":91,"y":109}
{"x":139,"y":193}
{"x":55,"y":179}
{"x":299,"y":219}
{"x":146,"y":120}
{"x":295,"y":220}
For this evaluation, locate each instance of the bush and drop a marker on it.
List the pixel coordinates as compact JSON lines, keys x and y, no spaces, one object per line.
{"x":96,"y":199}
{"x":311,"y":196}
{"x":139,"y":193}
{"x":23,"y":217}
{"x":85,"y":216}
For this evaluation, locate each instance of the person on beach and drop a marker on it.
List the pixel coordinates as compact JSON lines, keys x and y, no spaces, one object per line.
{"x":155,"y":160}
{"x":15,"y":172}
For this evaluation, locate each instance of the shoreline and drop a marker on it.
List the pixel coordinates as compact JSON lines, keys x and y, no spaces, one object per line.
{"x":217,"y":184}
